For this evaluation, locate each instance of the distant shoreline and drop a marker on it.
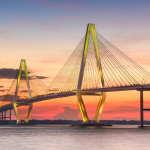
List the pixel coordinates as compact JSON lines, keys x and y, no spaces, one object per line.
{"x":68,"y":122}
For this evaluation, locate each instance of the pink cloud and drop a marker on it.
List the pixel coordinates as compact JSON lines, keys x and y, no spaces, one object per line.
{"x":60,"y":4}
{"x":145,"y":61}
{"x":68,"y":114}
{"x":131,"y":38}
{"x":5,"y":28}
{"x":28,"y":23}
{"x":67,"y":19}
{"x":2,"y":32}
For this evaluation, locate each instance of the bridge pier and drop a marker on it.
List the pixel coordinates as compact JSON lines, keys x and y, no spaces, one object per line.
{"x":141,"y":89}
{"x":82,"y":108}
{"x":10,"y":117}
{"x":4,"y":117}
{"x":141,"y":108}
{"x":100,"y":107}
{"x":1,"y":118}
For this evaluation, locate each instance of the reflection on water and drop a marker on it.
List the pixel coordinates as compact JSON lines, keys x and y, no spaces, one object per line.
{"x":69,"y":138}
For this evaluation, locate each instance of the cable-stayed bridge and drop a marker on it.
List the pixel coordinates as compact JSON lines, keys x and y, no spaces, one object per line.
{"x":95,"y":67}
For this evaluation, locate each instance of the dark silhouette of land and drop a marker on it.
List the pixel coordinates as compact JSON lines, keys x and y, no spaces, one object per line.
{"x":76,"y":122}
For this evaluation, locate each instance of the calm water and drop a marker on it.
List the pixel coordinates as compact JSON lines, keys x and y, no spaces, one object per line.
{"x":67,"y":138}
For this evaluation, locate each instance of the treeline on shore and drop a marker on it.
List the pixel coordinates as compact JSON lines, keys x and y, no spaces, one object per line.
{"x":75,"y":122}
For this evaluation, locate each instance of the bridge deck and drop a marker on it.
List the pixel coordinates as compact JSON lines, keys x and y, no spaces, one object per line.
{"x":72,"y":93}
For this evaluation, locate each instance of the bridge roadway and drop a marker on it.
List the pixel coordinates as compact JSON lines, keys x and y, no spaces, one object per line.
{"x":72,"y":93}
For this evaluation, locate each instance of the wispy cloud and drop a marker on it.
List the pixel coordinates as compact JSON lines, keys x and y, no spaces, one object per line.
{"x":124,"y":118}
{"x":131,"y":106}
{"x":8,"y":73}
{"x":2,"y":90}
{"x":131,"y":38}
{"x":144,"y":61}
{"x":5,"y":28}
{"x":123,"y":109}
{"x":3,"y":32}
{"x":67,"y":19}
{"x":61,"y":4}
{"x":28,"y":23}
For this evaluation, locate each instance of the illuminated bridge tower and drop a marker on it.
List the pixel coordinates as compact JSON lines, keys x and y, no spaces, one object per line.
{"x":17,"y":103}
{"x":90,"y":29}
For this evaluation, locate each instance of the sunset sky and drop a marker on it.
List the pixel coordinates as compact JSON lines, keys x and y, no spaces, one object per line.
{"x":45,"y":33}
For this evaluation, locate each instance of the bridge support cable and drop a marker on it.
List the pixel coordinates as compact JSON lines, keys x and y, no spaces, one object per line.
{"x":8,"y":97}
{"x":118,"y":70}
{"x":116,"y":50}
{"x":127,"y":70}
{"x":67,"y":77}
{"x":26,"y":85}
{"x":122,"y":68}
{"x":121,"y":72}
{"x":116,"y":66}
{"x":90,"y":32}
